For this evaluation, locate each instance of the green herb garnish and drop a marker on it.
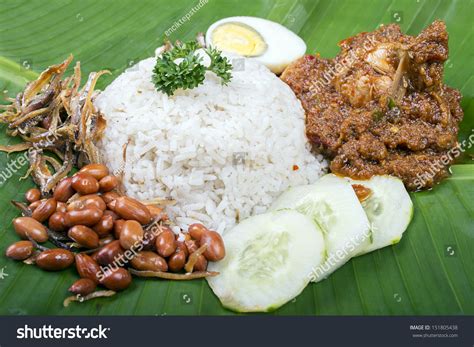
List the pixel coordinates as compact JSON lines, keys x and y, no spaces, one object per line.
{"x":391,"y":103}
{"x":188,"y":73}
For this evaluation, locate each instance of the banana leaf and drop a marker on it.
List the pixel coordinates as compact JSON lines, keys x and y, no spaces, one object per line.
{"x":430,"y":272}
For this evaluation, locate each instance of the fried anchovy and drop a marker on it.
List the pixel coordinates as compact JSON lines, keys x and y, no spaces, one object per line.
{"x":174,"y":276}
{"x":54,"y":114}
{"x":93,"y":295}
{"x":25,"y":210}
{"x":15,"y":148}
{"x":193,"y":258}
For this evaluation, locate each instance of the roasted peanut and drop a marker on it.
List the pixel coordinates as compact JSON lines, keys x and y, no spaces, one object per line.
{"x":87,"y":217}
{"x":61,"y":207}
{"x":215,"y":245}
{"x":87,"y":201}
{"x":108,"y":183}
{"x":165,"y":242}
{"x":109,"y":253}
{"x":82,"y":286}
{"x":118,"y":227}
{"x":20,"y":250}
{"x":28,"y":226}
{"x":84,"y":183}
{"x":94,"y":256}
{"x":116,"y":279}
{"x":32,"y":195}
{"x":106,"y":240}
{"x":87,"y":267}
{"x":98,"y":171}
{"x":57,"y":221}
{"x":181,"y":245}
{"x":196,"y":230}
{"x":84,"y":236}
{"x":55,"y":259}
{"x":149,"y":261}
{"x":63,"y":190}
{"x":131,"y":234}
{"x":104,"y":226}
{"x":44,"y":210}
{"x":109,"y":197}
{"x":149,"y":240}
{"x":111,"y":213}
{"x":35,"y":204}
{"x":111,"y":205}
{"x":201,"y":263}
{"x":129,"y":208}
{"x":177,"y":260}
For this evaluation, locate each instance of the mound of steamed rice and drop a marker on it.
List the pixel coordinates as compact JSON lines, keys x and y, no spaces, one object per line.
{"x":222,"y":152}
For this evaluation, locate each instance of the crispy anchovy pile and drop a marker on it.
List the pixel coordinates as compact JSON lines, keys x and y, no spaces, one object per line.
{"x":57,"y":121}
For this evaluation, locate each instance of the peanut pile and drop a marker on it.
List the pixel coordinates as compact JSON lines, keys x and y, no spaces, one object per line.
{"x":108,"y":236}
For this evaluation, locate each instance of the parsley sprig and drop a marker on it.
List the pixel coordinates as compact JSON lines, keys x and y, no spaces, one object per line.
{"x":168,"y":75}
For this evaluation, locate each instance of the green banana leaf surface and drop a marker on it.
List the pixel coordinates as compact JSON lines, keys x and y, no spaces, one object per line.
{"x":431,"y":270}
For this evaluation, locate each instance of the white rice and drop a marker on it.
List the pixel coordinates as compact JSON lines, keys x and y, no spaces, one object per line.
{"x":221,"y":152}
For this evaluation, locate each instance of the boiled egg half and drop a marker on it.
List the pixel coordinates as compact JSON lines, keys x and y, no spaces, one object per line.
{"x":256,"y":38}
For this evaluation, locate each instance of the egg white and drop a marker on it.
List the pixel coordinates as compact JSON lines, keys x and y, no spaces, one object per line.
{"x":283,"y":46}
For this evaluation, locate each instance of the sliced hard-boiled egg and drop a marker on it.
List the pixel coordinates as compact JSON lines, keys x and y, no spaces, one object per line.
{"x":239,"y":38}
{"x":255,"y":38}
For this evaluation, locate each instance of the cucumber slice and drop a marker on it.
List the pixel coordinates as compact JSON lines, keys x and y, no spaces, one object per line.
{"x":389,"y":209}
{"x":333,"y":205}
{"x":269,"y":259}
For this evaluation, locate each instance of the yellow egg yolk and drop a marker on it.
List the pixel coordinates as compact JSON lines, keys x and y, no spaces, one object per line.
{"x":238,"y":38}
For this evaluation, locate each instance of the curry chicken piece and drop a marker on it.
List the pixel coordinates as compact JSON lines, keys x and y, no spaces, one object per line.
{"x":380,"y":106}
